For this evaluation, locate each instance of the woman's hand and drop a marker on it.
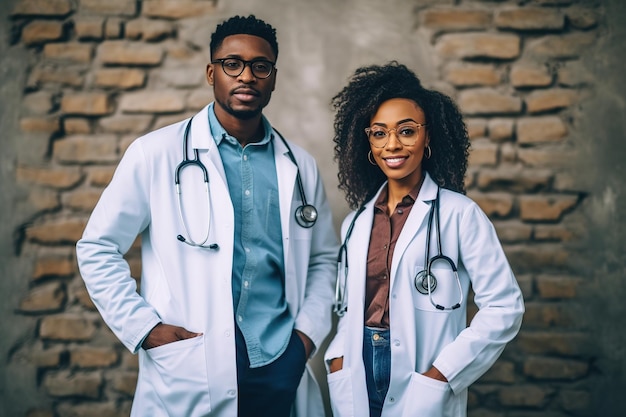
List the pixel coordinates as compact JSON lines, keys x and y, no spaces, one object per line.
{"x":162,"y":334}
{"x":336,"y":364}
{"x":435,"y":374}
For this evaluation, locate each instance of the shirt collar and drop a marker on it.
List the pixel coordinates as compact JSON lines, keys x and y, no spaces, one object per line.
{"x":381,"y":201}
{"x":219,"y":133}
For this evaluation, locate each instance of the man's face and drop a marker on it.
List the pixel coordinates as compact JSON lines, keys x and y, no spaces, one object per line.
{"x":244,"y":96}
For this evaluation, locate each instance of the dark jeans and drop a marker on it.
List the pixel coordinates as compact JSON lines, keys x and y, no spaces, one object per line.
{"x":269,"y":390}
{"x":377,"y":361}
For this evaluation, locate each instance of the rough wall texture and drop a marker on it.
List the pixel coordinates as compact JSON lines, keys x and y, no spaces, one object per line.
{"x":541,"y":86}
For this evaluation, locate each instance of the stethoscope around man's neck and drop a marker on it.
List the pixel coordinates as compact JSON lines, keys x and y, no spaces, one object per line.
{"x":425,"y":281}
{"x":305,"y":214}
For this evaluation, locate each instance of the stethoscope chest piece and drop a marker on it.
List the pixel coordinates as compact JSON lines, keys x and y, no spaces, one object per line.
{"x":306,"y":215}
{"x":422,"y":282}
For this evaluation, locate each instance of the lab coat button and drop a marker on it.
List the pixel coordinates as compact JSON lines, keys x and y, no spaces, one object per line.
{"x":391,"y":399}
{"x":376,"y":336}
{"x":396,"y":342}
{"x":232,"y":392}
{"x":227,"y":333}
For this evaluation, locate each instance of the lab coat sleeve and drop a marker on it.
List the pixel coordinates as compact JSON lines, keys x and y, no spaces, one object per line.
{"x":314,"y":316}
{"x":497,"y":296}
{"x":120,"y":215}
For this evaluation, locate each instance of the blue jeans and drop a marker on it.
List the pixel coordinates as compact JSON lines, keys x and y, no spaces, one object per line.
{"x":377,"y":361}
{"x":269,"y":390}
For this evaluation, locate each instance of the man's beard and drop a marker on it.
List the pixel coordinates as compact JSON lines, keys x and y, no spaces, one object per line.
{"x":240,"y":114}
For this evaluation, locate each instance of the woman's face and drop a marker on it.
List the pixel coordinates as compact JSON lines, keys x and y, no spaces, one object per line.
{"x":398,"y":123}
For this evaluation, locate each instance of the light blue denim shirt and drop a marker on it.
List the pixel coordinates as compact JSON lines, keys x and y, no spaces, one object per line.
{"x":258,"y":270}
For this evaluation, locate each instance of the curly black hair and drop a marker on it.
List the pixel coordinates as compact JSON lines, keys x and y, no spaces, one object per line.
{"x":357,"y":103}
{"x":239,"y":25}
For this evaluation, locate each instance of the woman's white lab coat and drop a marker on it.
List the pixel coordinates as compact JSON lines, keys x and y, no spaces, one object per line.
{"x":191,"y":287}
{"x":421,"y":335}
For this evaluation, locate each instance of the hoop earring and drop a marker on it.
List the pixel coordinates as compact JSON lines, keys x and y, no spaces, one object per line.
{"x":430,"y":152}
{"x":370,"y":158}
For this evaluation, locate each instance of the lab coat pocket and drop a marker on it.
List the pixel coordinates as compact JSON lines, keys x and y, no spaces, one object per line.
{"x":444,"y":289}
{"x":340,"y":391}
{"x":429,"y":397}
{"x":177,"y":371}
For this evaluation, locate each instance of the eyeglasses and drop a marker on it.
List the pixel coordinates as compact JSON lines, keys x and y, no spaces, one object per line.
{"x":407,"y":134}
{"x":234,"y":67}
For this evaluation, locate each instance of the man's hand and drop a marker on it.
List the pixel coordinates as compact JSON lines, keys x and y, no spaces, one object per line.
{"x":336,"y":364}
{"x":308,"y":343}
{"x":435,"y":374}
{"x":162,"y":334}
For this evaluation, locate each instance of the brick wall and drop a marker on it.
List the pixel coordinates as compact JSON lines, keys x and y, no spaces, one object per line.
{"x":100,"y":73}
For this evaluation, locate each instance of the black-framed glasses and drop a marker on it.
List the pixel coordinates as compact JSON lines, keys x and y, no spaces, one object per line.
{"x":233,"y":67}
{"x":407,"y":133}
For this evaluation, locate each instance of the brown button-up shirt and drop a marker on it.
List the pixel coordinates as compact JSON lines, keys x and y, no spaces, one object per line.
{"x":385,"y":232}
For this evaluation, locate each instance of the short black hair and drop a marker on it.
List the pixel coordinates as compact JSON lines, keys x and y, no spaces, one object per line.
{"x":239,"y":25}
{"x":355,"y":105}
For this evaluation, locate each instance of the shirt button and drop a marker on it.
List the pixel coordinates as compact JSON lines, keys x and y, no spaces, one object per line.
{"x":247,"y":250}
{"x":247,"y":192}
{"x":245,"y":284}
{"x":400,"y":211}
{"x":245,"y":157}
{"x":239,"y":318}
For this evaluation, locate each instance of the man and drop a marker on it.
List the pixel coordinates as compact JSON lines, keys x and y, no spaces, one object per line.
{"x":236,"y":283}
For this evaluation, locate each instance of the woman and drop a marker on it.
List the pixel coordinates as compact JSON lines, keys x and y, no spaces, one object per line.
{"x":403,"y":347}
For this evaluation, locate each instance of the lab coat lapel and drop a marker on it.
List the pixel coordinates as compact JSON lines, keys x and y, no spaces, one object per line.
{"x":202,"y":140}
{"x":286,"y":172}
{"x":417,"y":219}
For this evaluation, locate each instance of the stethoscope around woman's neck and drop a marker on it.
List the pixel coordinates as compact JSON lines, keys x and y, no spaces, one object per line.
{"x":305,"y":214}
{"x":425,"y":281}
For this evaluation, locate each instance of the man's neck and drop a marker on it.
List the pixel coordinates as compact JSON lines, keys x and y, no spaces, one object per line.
{"x":244,"y":130}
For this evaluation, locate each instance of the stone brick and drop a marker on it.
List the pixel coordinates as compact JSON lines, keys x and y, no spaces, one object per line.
{"x":513,"y":231}
{"x":82,"y":296}
{"x":73,"y":384}
{"x":167,"y":120}
{"x":91,"y":104}
{"x":46,"y":358}
{"x":52,"y":74}
{"x":541,"y":315}
{"x":525,"y":75}
{"x":479,"y":45}
{"x":56,"y":231}
{"x":566,"y":182}
{"x":558,"y":287}
{"x":113,"y":28}
{"x":43,"y":124}
{"x":480,"y":101}
{"x":549,"y":156}
{"x":561,"y":46}
{"x":493,"y":204}
{"x":89,"y":28}
{"x":82,"y":200}
{"x":43,"y":200}
{"x":525,"y":282}
{"x":546,"y":207}
{"x":525,"y":396}
{"x":539,"y":257}
{"x":502,"y":371}
{"x":124,"y":382}
{"x":109,"y":7}
{"x":74,"y":125}
{"x":86,"y":148}
{"x":162,"y":101}
{"x":544,"y":368}
{"x":41,"y":31}
{"x":529,"y":18}
{"x":574,"y":74}
{"x":100,"y":176}
{"x":66,"y":327}
{"x":148,"y":29}
{"x":476,"y":128}
{"x":581,"y":17}
{"x":92,"y":357}
{"x":53,"y":266}
{"x":464,"y":75}
{"x":52,"y":177}
{"x":198,"y":98}
{"x":575,"y":400}
{"x":182,"y":77}
{"x":508,"y":153}
{"x":92,"y":409}
{"x":547,"y":100}
{"x":40,"y":102}
{"x":50,"y":8}
{"x":448,"y":19}
{"x":130,"y":53}
{"x":555,"y":343}
{"x":483,"y":153}
{"x":554,"y":233}
{"x":177,"y":9}
{"x":513,"y":179}
{"x":44,"y":298}
{"x":69,"y":51}
{"x":500,"y":129}
{"x":129,"y":361}
{"x":124,"y":78}
{"x":541,"y":129}
{"x":124,"y":123}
